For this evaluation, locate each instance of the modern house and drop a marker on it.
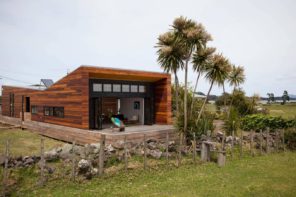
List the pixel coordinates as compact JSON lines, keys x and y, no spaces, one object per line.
{"x":89,"y":96}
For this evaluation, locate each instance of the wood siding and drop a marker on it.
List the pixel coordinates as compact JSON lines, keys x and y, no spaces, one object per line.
{"x":72,"y":93}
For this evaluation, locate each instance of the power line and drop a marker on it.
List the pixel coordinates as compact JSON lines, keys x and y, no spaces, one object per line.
{"x":16,"y":80}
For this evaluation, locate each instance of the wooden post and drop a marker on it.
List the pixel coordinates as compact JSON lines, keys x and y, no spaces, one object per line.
{"x":125,"y":153}
{"x":277,"y":141}
{"x":241,"y":145}
{"x":284,"y":146}
{"x":5,"y":170}
{"x":221,"y":158}
{"x":73,"y":161}
{"x":101,"y":154}
{"x":223,"y":142}
{"x":42,"y":162}
{"x":261,"y":142}
{"x":167,"y":147}
{"x":251,"y":143}
{"x":232,"y":141}
{"x":267,"y":140}
{"x":203,"y":152}
{"x":145,"y":152}
{"x":180,"y":150}
{"x":194,"y":149}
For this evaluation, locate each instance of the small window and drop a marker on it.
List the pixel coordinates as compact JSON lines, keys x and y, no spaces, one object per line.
{"x":137,"y":105}
{"x":125,"y":88}
{"x":48,"y":111}
{"x":142,"y":88}
{"x":107,"y":88}
{"x":54,"y":111}
{"x":134,"y":88}
{"x":116,"y":88}
{"x":34,"y":110}
{"x":58,"y":112}
{"x":97,"y":87}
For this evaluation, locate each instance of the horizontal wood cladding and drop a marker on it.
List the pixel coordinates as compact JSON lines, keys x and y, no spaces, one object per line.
{"x":72,"y":93}
{"x":162,"y":99}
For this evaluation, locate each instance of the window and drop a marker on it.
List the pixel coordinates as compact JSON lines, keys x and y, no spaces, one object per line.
{"x":97,"y":87}
{"x":125,"y":88}
{"x":116,"y":88}
{"x":142,"y":88}
{"x":34,"y":110}
{"x":134,"y":88}
{"x":54,"y":111}
{"x":107,"y":88}
{"x":137,"y":105}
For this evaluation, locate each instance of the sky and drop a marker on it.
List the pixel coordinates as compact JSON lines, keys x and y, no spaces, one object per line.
{"x":47,"y":39}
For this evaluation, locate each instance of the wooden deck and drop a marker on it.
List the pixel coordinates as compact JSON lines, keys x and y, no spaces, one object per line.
{"x":81,"y":136}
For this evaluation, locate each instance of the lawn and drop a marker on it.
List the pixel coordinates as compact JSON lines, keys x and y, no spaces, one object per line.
{"x":272,"y":175}
{"x":23,"y":142}
{"x":286,"y":111}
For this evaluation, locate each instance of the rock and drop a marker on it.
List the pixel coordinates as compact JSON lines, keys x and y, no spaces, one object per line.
{"x":119,"y":144}
{"x":83,"y":166}
{"x":151,"y":140}
{"x":94,"y":171}
{"x":110,"y":149}
{"x":51,"y":155}
{"x":228,"y":139}
{"x":28,"y":161}
{"x":2,"y":159}
{"x":66,"y":151}
{"x":151,"y":145}
{"x":155,"y":153}
{"x":96,"y":147}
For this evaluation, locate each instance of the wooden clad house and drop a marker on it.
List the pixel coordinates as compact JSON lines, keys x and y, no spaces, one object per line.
{"x":88,"y":97}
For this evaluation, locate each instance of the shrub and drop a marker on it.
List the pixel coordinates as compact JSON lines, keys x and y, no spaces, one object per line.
{"x":290,"y":139}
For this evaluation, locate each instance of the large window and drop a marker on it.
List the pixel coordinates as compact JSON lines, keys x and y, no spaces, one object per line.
{"x":54,"y":111}
{"x":125,"y":88}
{"x":117,"y":87}
{"x":134,"y":88}
{"x":107,"y":88}
{"x":142,"y":89}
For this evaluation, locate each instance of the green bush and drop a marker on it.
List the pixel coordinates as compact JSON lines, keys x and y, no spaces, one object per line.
{"x":290,"y":139}
{"x":260,"y":121}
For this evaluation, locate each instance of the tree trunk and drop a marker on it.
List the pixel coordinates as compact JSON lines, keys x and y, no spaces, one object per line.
{"x":193,"y":98}
{"x":176,"y":93}
{"x":224,"y":96}
{"x":231,"y":102}
{"x":185,"y":97}
{"x":205,"y":101}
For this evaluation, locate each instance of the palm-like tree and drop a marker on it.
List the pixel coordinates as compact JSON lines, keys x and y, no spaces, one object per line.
{"x":216,"y":72}
{"x":193,"y":36}
{"x":170,"y":57}
{"x":200,"y":60}
{"x":235,"y":78}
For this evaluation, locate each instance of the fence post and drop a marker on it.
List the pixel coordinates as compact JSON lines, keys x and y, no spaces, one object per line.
{"x":125,"y":153}
{"x":42,"y":162}
{"x":73,"y":161}
{"x":261,"y":139}
{"x":232,"y":141}
{"x":145,"y":152}
{"x":277,"y":141}
{"x":167,"y":147}
{"x":5,"y":170}
{"x":194,"y":149}
{"x":180,"y":150}
{"x":284,"y":147}
{"x":251,"y":143}
{"x":267,"y":140}
{"x":241,"y":145}
{"x":101,"y":154}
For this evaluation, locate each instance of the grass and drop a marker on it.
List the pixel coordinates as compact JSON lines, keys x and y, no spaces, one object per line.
{"x":286,"y":111}
{"x":272,"y":175}
{"x":23,"y":142}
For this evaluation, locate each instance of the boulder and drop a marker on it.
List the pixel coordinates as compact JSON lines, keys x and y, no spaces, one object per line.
{"x":228,"y":139}
{"x":66,"y":151}
{"x":155,"y":153}
{"x":95,"y":147}
{"x":119,"y":144}
{"x":110,"y":149}
{"x":28,"y":161}
{"x":151,"y":145}
{"x":83,"y":166}
{"x":51,"y":155}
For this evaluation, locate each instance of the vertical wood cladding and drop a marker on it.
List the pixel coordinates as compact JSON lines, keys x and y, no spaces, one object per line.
{"x":72,"y":93}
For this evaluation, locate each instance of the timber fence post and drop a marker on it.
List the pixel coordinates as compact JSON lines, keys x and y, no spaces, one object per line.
{"x":145,"y":152}
{"x":241,"y":145}
{"x":261,"y":141}
{"x":194,"y":149}
{"x":167,"y":147}
{"x":251,"y":143}
{"x":5,"y":170}
{"x":42,"y":162}
{"x":267,"y":140}
{"x":232,"y":141}
{"x":125,"y":154}
{"x":73,"y":161}
{"x":180,"y":150}
{"x":102,"y":154}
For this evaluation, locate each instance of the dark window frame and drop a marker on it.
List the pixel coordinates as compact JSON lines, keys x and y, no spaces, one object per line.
{"x":54,"y":111}
{"x":33,"y":111}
